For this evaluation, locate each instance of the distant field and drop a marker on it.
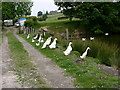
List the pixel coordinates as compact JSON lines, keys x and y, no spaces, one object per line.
{"x":54,"y":17}
{"x":62,"y":24}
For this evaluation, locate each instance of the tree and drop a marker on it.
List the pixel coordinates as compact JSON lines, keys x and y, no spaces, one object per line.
{"x":10,"y":10}
{"x":23,"y":8}
{"x":68,"y":8}
{"x":97,"y":16}
{"x":39,"y":13}
{"x":44,"y":17}
{"x":47,"y":13}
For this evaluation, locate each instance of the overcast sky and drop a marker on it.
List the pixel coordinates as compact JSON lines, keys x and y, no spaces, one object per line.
{"x":43,"y":5}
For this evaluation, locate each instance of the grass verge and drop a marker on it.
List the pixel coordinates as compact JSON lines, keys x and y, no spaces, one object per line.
{"x":107,"y":54}
{"x":23,"y":65}
{"x":0,"y":37}
{"x":86,"y":74}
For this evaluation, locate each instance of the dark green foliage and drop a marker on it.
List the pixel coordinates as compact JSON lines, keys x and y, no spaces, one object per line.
{"x":62,"y":18}
{"x":40,"y":18}
{"x":10,"y":10}
{"x":98,"y":32}
{"x":76,"y":53}
{"x":34,"y":19}
{"x":29,"y":23}
{"x":103,"y":16}
{"x":47,"y":13}
{"x":39,"y":13}
{"x":67,"y":8}
{"x":43,"y":17}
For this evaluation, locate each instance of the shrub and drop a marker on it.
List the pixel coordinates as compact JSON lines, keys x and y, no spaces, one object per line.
{"x":40,"y":18}
{"x":59,"y":18}
{"x":98,"y":32}
{"x":76,"y":53}
{"x":44,"y":17}
{"x":29,"y":23}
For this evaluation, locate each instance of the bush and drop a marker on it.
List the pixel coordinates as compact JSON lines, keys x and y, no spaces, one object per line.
{"x":59,"y":18}
{"x":40,"y":18}
{"x":98,"y":32}
{"x":76,"y":53}
{"x":43,"y":18}
{"x":29,"y":23}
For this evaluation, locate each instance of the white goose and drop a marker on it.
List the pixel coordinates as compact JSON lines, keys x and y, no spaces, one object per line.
{"x":47,"y":42}
{"x":83,"y":39}
{"x":40,"y":38}
{"x":114,"y":1}
{"x":85,"y":53}
{"x":106,"y":34}
{"x":69,"y":49}
{"x":91,"y":38}
{"x":37,"y":44}
{"x":28,"y":36}
{"x":53,"y":45}
{"x":36,"y":36}
{"x":33,"y":40}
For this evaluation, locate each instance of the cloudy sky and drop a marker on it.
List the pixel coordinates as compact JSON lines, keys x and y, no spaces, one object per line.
{"x":43,"y":5}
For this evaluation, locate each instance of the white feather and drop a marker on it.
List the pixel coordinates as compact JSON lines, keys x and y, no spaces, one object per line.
{"x":106,"y":34}
{"x":33,"y":40}
{"x":36,"y":36}
{"x":28,"y":36}
{"x":53,"y":45}
{"x":83,"y":39}
{"x":47,"y":42}
{"x":42,"y":40}
{"x":37,"y":44}
{"x":69,"y":49}
{"x":91,"y":38}
{"x":85,"y":53}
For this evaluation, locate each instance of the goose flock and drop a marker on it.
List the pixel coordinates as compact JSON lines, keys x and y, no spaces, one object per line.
{"x":52,"y":45}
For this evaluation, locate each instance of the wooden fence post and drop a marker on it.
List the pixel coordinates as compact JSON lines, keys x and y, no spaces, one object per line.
{"x":67,"y":35}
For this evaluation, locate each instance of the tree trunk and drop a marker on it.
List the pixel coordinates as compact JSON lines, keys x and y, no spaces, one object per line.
{"x":70,"y":19}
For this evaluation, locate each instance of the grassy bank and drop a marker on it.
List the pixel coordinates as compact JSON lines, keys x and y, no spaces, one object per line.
{"x":60,"y":24}
{"x":85,"y":73}
{"x":107,"y":54}
{"x":23,"y":65}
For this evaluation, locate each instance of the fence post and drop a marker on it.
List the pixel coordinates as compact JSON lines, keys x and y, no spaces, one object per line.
{"x":67,"y":35}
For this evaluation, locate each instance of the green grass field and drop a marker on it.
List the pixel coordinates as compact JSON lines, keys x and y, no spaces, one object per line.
{"x":23,"y":65}
{"x":86,"y":75}
{"x":54,"y":17}
{"x":62,"y":24}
